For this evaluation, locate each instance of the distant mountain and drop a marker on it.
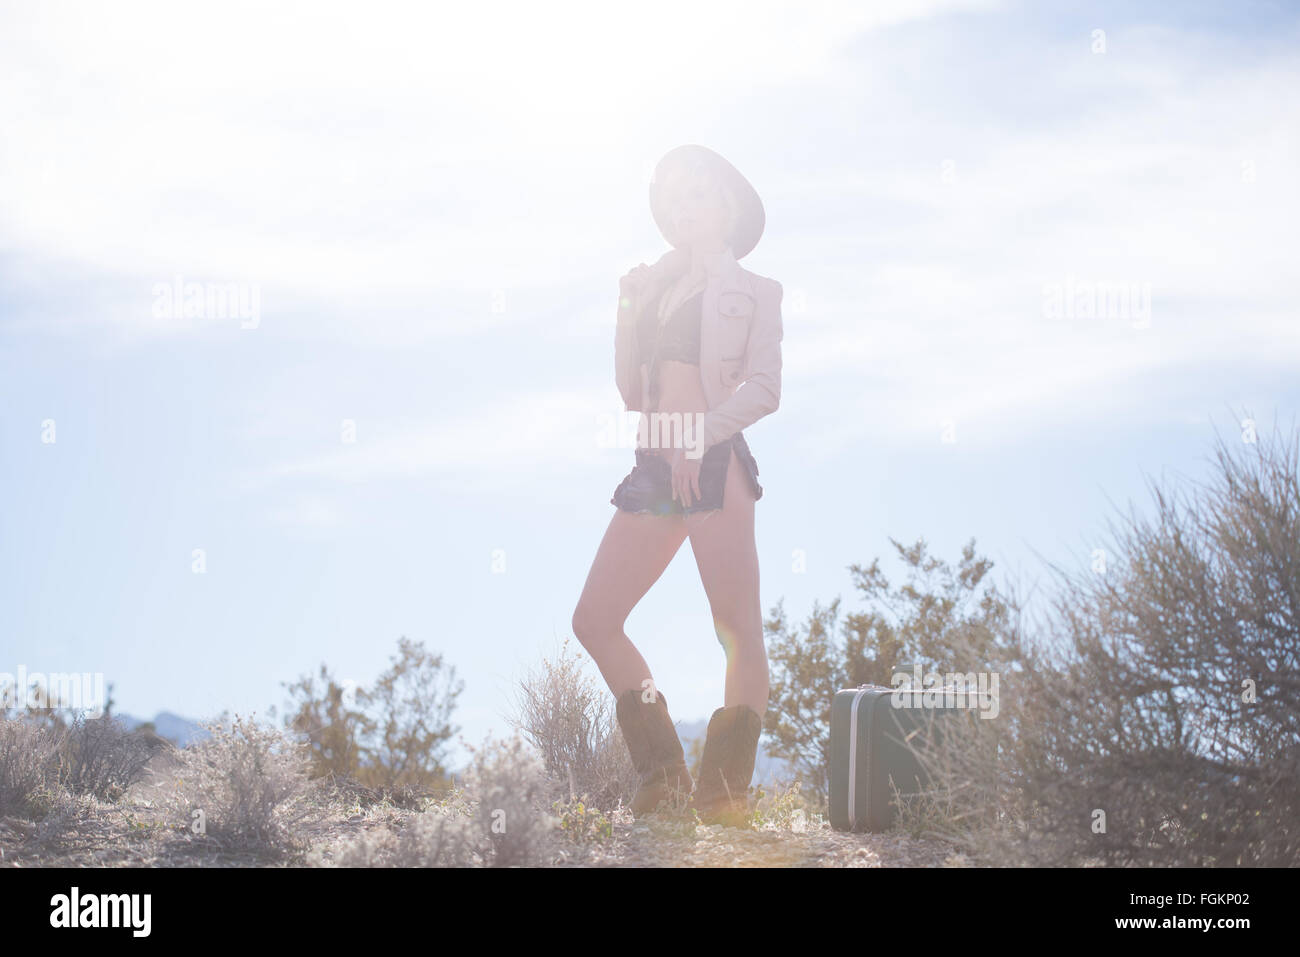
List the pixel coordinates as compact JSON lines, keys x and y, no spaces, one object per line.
{"x":767,"y":769}
{"x":179,"y":731}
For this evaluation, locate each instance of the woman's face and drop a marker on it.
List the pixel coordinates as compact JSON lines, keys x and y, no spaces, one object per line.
{"x":697,"y":209}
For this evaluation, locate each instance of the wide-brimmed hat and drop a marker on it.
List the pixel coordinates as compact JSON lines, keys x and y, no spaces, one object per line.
{"x":750,"y":217}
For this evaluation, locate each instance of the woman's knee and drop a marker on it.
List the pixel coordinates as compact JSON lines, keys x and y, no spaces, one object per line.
{"x":739,"y":634}
{"x":583,"y":625}
{"x":591,"y":627}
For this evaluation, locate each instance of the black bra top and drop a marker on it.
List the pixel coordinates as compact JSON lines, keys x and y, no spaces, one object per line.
{"x":678,"y":338}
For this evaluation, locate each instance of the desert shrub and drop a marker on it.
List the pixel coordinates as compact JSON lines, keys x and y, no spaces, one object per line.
{"x":29,"y":767}
{"x":1169,"y":697}
{"x":1151,"y":715}
{"x":248,"y":785}
{"x":392,"y":735}
{"x":498,"y":819}
{"x":1148,"y":711}
{"x":409,"y":722}
{"x":511,"y":789}
{"x":943,"y":618}
{"x":571,"y":722}
{"x":320,"y":711}
{"x":102,"y":758}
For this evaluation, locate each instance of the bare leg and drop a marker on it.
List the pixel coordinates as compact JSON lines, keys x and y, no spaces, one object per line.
{"x":636,"y":549}
{"x":725,"y":553}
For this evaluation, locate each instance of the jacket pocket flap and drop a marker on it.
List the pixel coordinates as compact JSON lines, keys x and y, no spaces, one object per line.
{"x":733,"y":304}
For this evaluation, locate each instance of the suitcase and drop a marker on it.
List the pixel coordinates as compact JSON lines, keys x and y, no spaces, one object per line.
{"x":874,"y":743}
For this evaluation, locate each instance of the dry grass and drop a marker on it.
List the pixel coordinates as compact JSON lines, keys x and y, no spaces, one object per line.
{"x":103,"y":758}
{"x":569,"y":720}
{"x":500,"y":817}
{"x":245,"y":788}
{"x":29,"y":767}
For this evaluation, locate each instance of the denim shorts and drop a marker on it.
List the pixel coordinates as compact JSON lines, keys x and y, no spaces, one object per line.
{"x":649,"y":486}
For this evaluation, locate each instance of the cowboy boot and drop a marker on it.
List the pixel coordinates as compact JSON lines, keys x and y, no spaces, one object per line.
{"x":655,"y":748}
{"x":730,"y":750}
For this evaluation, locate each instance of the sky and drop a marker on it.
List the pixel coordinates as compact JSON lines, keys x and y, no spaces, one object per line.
{"x":426,"y":209}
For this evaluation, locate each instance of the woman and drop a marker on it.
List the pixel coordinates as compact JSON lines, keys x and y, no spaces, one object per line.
{"x":697,"y":351}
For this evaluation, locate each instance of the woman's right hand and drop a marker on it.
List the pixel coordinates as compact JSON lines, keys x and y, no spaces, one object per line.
{"x":634,"y":281}
{"x":669,"y":266}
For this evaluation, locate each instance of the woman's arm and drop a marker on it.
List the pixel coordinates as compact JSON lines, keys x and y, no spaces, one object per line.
{"x":627,"y":366}
{"x":760,"y":394}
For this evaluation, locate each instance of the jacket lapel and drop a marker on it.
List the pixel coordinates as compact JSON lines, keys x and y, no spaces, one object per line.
{"x":725,"y":278}
{"x":727,"y":275}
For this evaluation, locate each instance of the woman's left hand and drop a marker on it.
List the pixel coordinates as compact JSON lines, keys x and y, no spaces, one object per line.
{"x":686,"y":477}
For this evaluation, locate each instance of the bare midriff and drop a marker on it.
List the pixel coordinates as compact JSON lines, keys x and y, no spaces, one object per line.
{"x":680,"y":391}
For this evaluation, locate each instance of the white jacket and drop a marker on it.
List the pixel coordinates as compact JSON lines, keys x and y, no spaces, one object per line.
{"x":740,"y":344}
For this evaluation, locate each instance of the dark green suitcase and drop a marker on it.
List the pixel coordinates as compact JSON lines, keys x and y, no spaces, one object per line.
{"x":875,"y":747}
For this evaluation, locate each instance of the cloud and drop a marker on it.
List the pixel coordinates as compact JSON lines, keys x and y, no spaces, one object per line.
{"x":449,"y":181}
{"x":418,"y":152}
